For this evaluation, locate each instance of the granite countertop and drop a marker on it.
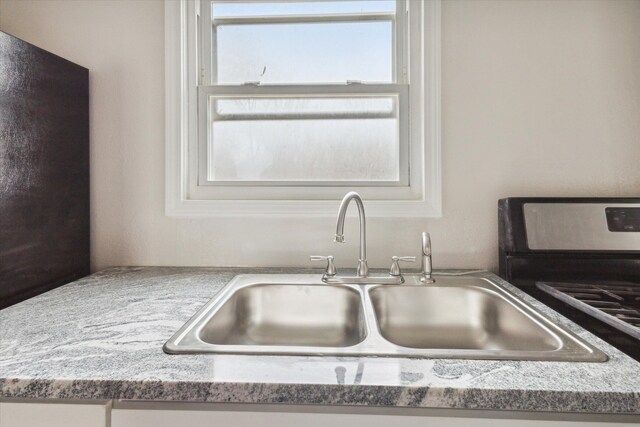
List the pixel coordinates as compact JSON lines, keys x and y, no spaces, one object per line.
{"x":101,"y":338}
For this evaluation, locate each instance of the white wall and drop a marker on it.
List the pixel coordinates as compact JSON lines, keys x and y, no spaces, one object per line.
{"x":540,"y":98}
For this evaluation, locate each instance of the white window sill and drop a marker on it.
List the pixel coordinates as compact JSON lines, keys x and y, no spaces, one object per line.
{"x":296,"y":208}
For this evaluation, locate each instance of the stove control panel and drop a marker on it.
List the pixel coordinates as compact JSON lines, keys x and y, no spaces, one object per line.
{"x":623,"y":219}
{"x":581,"y":226}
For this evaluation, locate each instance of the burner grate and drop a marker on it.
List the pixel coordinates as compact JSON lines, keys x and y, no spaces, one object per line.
{"x":616,"y":304}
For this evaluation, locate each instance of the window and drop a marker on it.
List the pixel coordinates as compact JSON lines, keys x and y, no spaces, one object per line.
{"x":280,"y":106}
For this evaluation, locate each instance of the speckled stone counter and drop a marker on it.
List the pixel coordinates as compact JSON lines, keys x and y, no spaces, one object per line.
{"x":101,"y":338}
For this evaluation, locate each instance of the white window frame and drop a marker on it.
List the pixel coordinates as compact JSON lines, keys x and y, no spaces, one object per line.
{"x":189,"y":194}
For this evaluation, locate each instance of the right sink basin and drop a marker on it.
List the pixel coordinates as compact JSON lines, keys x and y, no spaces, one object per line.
{"x":464,"y":317}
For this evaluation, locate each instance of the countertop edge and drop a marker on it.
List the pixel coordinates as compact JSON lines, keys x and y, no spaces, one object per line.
{"x":326,"y":394}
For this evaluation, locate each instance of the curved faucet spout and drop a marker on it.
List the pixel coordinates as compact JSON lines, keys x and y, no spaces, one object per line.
{"x":363,"y":269}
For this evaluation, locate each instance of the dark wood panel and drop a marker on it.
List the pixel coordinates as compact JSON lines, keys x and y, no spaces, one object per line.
{"x":44,"y":170}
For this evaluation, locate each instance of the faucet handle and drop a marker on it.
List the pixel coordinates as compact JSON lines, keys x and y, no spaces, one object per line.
{"x":330,"y":271}
{"x":395,"y":267}
{"x":426,"y":269}
{"x":426,"y":244}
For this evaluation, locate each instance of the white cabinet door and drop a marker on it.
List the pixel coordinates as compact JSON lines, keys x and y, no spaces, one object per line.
{"x":172,"y":418}
{"x":26,"y":414}
{"x":161,"y":418}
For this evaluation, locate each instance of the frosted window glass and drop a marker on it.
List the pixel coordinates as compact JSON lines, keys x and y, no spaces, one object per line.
{"x":279,"y":148}
{"x":305,"y":150}
{"x":305,"y":53}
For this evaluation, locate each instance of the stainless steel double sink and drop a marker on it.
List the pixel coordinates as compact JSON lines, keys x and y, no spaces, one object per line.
{"x":456,"y":317}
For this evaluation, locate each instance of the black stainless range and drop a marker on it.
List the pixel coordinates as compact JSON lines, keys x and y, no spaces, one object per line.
{"x":581,"y":257}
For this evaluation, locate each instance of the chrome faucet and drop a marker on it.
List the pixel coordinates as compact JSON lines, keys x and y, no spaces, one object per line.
{"x":426,"y":270}
{"x":363,"y":269}
{"x":330,"y":275}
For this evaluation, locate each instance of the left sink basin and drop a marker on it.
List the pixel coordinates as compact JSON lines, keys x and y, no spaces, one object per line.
{"x":280,"y":316}
{"x":285,"y":314}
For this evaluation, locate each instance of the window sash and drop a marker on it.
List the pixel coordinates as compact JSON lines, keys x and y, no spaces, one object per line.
{"x":207,"y":32}
{"x":231,"y":91}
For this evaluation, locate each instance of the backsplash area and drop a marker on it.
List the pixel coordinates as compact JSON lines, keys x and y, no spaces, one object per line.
{"x":576,"y":133}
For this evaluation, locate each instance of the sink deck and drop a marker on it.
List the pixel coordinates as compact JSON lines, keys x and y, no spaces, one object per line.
{"x":460,"y":317}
